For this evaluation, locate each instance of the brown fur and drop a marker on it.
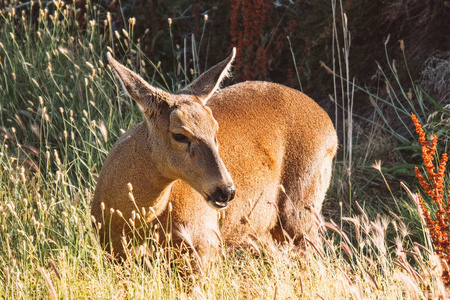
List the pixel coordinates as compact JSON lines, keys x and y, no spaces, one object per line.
{"x":269,"y":135}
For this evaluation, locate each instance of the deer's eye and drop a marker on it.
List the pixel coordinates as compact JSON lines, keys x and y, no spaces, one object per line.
{"x":180,"y":138}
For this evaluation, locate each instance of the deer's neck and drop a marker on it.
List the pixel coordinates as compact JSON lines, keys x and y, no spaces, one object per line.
{"x":150,"y":187}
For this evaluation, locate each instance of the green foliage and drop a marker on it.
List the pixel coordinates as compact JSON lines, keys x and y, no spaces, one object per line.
{"x":57,"y":93}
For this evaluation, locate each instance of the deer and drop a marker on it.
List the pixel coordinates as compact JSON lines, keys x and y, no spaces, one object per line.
{"x":223,"y":165}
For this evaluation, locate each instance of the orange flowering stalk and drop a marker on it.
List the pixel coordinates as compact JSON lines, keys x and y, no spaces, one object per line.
{"x":439,"y":228}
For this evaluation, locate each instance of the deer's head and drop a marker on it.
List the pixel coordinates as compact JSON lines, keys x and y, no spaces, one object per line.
{"x":182,"y":140}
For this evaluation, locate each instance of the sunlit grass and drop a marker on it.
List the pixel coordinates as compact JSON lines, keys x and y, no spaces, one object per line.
{"x":46,"y":232}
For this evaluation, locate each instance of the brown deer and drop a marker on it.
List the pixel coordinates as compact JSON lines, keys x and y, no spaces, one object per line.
{"x":275,"y":160}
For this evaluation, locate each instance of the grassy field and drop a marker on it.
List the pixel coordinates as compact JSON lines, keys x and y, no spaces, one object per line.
{"x":61,"y":110}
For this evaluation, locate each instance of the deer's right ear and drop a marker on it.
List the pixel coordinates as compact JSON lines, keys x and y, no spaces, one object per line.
{"x":146,"y":96}
{"x":207,"y":83}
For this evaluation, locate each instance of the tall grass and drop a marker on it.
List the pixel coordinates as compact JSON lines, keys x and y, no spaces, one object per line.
{"x":60,"y":113}
{"x":48,"y":249}
{"x":384,"y":132}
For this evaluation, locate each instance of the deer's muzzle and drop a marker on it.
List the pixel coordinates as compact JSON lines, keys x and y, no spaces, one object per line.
{"x":222,"y":196}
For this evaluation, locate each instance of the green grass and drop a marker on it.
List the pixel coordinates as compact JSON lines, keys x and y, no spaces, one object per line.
{"x":61,"y":110}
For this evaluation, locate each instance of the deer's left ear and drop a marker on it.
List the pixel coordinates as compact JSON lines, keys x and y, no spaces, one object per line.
{"x":207,"y":83}
{"x":148,"y":98}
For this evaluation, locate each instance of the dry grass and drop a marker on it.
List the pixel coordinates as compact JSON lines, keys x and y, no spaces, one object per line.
{"x":48,"y":249}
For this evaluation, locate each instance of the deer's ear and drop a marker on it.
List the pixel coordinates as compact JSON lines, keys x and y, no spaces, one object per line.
{"x":146,"y":96}
{"x":207,"y":83}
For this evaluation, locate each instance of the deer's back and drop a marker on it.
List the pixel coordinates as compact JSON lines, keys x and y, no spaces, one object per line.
{"x":262,"y":124}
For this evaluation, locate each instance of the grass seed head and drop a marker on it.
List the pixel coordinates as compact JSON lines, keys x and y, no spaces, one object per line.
{"x":377,"y":165}
{"x":402,"y":45}
{"x":131,"y":197}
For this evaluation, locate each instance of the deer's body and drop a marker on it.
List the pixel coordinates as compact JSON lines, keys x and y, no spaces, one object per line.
{"x":269,"y":136}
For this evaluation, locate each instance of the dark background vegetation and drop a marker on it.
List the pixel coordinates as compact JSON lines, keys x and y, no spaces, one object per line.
{"x":260,"y":29}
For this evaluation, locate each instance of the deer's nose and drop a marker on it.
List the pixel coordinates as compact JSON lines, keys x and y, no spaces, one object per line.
{"x":224,"y":194}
